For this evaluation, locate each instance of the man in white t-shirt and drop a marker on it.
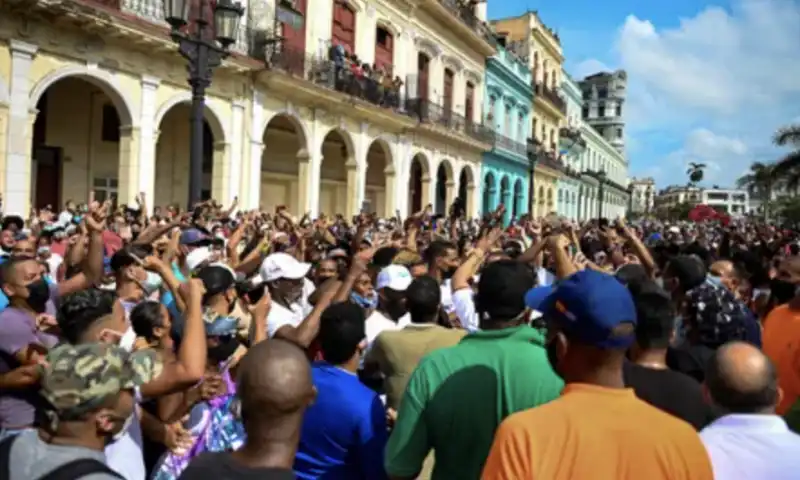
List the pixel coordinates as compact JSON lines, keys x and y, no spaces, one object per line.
{"x":285,"y":277}
{"x":391,"y":313}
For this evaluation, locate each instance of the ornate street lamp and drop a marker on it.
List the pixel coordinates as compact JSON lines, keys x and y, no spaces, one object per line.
{"x":532,"y":151}
{"x":601,"y":180}
{"x":204,"y":55}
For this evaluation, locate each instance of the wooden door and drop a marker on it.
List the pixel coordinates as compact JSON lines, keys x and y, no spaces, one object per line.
{"x":384,"y":49}
{"x":343,"y":31}
{"x":448,"y":91}
{"x":294,"y":39}
{"x":469,"y":102}
{"x":423,"y":63}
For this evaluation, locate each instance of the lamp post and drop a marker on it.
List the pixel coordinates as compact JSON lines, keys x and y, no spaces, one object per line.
{"x":601,"y":180}
{"x":204,"y":53}
{"x":532,"y":151}
{"x":630,"y":200}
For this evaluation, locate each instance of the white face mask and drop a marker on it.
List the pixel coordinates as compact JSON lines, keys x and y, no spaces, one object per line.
{"x":152,"y":283}
{"x":128,"y":340}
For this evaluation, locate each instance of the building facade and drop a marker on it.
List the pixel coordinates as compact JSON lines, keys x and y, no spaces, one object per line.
{"x":571,"y":146}
{"x":603,"y":103}
{"x":604,"y":172}
{"x":734,"y":202}
{"x":507,"y":107}
{"x":540,"y":47}
{"x":106,"y":107}
{"x":644,"y":193}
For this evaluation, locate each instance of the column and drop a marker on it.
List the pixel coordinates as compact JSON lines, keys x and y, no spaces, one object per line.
{"x":354,"y":173}
{"x":449,"y":194}
{"x":390,"y":195}
{"x":428,"y":189}
{"x":221,"y":172}
{"x":129,"y":165}
{"x":3,"y":126}
{"x":17,"y":191}
{"x":252,"y":181}
{"x":148,"y":138}
{"x":238,"y":164}
{"x":308,"y":181}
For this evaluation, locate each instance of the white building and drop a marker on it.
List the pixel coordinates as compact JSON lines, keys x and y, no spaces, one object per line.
{"x":733,"y":201}
{"x":604,"y":98}
{"x":644,"y":194}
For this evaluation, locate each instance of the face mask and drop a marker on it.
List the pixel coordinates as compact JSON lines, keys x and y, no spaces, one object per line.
{"x":364,"y":302}
{"x":552,"y":357}
{"x":152,"y":283}
{"x":38,"y":295}
{"x":128,"y":340}
{"x":715,"y":280}
{"x":222,"y":352}
{"x":448,"y":273}
{"x":782,"y":291}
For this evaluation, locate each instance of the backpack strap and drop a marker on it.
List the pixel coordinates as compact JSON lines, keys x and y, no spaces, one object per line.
{"x":5,"y":458}
{"x":79,"y":469}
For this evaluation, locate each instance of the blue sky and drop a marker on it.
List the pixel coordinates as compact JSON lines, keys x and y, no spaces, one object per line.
{"x":709,"y":81}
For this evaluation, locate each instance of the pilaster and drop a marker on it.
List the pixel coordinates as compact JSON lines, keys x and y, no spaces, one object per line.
{"x":148,"y":138}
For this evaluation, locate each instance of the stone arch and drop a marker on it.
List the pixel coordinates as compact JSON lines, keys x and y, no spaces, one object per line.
{"x":419,"y":181}
{"x":212,"y":115}
{"x":448,"y":169}
{"x":427,"y":47}
{"x":386,"y":149}
{"x":347,"y":139}
{"x":423,"y":160}
{"x":453,"y":62}
{"x":290,"y":116}
{"x":386,"y":22}
{"x":97,"y":77}
{"x":469,"y":171}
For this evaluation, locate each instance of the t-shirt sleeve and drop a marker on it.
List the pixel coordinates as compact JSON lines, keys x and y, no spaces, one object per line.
{"x":508,"y":459}
{"x":17,"y":333}
{"x":276,"y":319}
{"x":372,"y":440}
{"x":409,"y":442}
{"x":464,"y":306}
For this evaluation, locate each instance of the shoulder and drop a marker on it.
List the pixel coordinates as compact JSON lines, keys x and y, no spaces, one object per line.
{"x":205,"y":463}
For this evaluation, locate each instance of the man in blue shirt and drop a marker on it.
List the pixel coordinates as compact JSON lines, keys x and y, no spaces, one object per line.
{"x":344,"y":432}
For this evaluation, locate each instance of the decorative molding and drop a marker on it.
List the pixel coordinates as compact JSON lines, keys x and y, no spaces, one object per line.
{"x":455,"y":63}
{"x":428,"y":47}
{"x":18,"y":47}
{"x":472,"y":77}
{"x":150,"y":81}
{"x":370,"y":11}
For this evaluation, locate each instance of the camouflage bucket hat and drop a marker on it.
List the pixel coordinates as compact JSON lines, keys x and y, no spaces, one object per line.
{"x":79,"y":378}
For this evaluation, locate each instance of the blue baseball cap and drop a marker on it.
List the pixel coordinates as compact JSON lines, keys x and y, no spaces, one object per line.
{"x":536,"y":296}
{"x":589,"y":306}
{"x":194,"y":236}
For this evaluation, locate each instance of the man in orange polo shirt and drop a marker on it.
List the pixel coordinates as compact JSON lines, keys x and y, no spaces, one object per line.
{"x":597,"y":429}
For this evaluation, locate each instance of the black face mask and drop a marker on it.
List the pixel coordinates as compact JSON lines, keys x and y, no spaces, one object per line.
{"x":781,"y":290}
{"x":552,"y":357}
{"x":223,"y":351}
{"x":38,"y":295}
{"x":449,"y":272}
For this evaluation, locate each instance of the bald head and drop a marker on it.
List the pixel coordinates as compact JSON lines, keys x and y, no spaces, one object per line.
{"x":741,"y":379}
{"x":274,"y":381}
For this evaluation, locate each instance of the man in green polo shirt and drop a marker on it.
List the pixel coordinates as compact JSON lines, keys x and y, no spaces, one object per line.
{"x":457,"y":396}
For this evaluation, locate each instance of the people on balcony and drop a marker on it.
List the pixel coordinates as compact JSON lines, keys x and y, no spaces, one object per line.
{"x":351,"y":75}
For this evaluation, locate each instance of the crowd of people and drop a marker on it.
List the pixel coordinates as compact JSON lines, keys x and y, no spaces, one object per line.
{"x":220,"y":343}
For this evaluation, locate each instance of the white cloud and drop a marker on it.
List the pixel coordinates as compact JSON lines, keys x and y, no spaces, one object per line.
{"x":712,"y":89}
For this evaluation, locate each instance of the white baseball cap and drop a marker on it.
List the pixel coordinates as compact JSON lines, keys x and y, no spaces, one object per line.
{"x":394,"y":277}
{"x":283,"y":265}
{"x":197,"y":257}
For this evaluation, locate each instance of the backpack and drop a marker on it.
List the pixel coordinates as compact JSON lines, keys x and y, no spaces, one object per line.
{"x":69,"y":471}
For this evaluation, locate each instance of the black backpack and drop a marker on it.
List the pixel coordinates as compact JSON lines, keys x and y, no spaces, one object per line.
{"x":69,"y":471}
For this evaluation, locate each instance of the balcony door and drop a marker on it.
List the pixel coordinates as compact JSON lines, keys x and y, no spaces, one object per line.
{"x":295,"y":38}
{"x":384,"y":49}
{"x":344,"y":26}
{"x":448,"y":91}
{"x":423,"y":66}
{"x":469,"y":102}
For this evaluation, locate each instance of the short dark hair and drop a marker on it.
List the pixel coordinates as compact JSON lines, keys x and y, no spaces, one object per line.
{"x":78,"y":311}
{"x":501,"y":289}
{"x":689,"y":270}
{"x":341,"y":329}
{"x":423,"y":299}
{"x":8,"y":268}
{"x":383,"y":256}
{"x":720,"y":384}
{"x":655,"y":317}
{"x":437,"y":249}
{"x":145,"y":317}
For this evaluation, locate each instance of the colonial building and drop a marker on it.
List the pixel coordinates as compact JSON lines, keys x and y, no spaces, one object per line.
{"x":732,"y":201}
{"x":644,"y":193}
{"x":540,"y":47}
{"x":98,"y":100}
{"x":604,"y":100}
{"x":571,"y":146}
{"x":507,"y":106}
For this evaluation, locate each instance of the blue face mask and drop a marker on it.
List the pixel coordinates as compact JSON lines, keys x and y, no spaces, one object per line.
{"x":364,"y":302}
{"x":77,"y":219}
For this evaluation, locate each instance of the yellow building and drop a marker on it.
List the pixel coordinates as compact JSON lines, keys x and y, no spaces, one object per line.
{"x":540,"y":46}
{"x":98,"y":100}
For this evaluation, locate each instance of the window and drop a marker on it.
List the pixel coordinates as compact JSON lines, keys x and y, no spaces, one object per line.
{"x":619,"y":110}
{"x":469,"y":101}
{"x":110,"y":127}
{"x":384,"y":49}
{"x":105,"y":188}
{"x":533,"y":126}
{"x":619,"y":133}
{"x":448,"y":89}
{"x":585,"y":112}
{"x":423,"y":63}
{"x":602,"y":92}
{"x":507,"y":122}
{"x":601,"y":111}
{"x":344,"y":26}
{"x":521,"y":127}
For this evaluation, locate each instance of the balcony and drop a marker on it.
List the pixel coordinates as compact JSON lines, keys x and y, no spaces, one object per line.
{"x":572,"y":135}
{"x":551,"y":96}
{"x":465,"y":11}
{"x":425,"y":111}
{"x":340,"y":75}
{"x":506,"y":143}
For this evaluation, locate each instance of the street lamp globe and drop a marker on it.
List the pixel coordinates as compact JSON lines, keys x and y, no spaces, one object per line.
{"x":227,"y":16}
{"x":176,"y":12}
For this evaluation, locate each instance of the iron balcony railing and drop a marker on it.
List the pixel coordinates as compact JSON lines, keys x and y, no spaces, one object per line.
{"x":342,"y":75}
{"x":510,"y":144}
{"x":465,"y":11}
{"x":551,"y":96}
{"x":425,"y":111}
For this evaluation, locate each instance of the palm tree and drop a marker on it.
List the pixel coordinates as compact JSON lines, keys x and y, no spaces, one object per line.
{"x":760,"y":182}
{"x":788,"y":167}
{"x":695,"y":172}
